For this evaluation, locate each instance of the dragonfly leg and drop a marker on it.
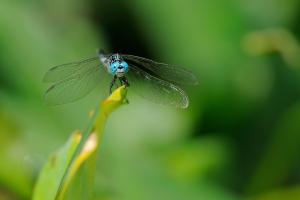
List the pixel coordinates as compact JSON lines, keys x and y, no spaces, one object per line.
{"x":112,"y":84}
{"x":121,"y":82}
{"x":124,"y":81}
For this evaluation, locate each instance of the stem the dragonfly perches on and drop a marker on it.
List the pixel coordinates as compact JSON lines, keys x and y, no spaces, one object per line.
{"x":77,"y":158}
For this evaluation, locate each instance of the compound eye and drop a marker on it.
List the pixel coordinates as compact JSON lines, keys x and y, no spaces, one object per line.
{"x":115,"y":65}
{"x":124,"y":64}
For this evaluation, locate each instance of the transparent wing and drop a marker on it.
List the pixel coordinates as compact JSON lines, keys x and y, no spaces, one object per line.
{"x":166,"y":72}
{"x":155,"y":89}
{"x":75,"y":85}
{"x":61,"y":72}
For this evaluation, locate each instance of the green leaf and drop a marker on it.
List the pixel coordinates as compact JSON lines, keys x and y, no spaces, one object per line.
{"x":54,"y":170}
{"x":69,"y":174}
{"x":77,"y":181}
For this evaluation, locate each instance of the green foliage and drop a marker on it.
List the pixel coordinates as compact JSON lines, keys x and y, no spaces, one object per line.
{"x":52,"y":174}
{"x":68,"y":174}
{"x":11,"y":158}
{"x":238,"y":139}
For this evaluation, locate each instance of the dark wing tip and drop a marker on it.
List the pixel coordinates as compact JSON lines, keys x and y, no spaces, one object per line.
{"x":185,"y":105}
{"x":45,"y":97}
{"x":52,"y":102}
{"x":46,"y":79}
{"x":185,"y":100}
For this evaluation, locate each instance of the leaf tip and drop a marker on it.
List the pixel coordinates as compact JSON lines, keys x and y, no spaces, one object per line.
{"x":116,"y":99}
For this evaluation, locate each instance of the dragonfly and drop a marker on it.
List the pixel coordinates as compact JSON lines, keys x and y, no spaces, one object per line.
{"x":158,"y":82}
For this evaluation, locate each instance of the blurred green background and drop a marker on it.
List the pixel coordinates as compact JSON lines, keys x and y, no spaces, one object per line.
{"x":240,"y":137}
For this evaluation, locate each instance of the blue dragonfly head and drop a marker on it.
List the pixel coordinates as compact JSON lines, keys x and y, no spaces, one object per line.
{"x":119,"y":68}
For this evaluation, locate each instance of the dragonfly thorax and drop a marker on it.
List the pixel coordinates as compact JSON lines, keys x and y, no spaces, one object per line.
{"x":117,"y":66}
